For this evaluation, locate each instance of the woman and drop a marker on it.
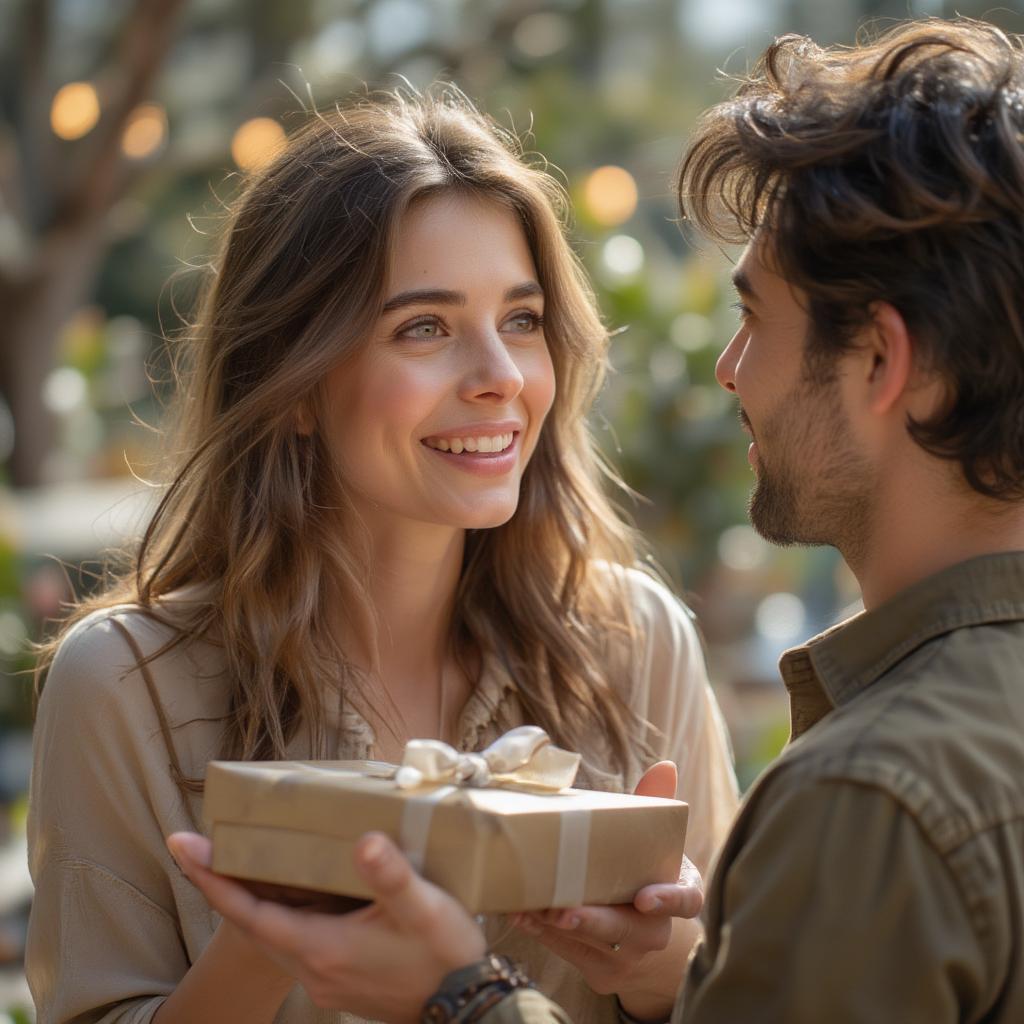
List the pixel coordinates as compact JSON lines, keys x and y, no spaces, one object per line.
{"x":385,"y":523}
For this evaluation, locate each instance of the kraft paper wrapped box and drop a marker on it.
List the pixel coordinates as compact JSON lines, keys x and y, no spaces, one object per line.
{"x":506,"y":842}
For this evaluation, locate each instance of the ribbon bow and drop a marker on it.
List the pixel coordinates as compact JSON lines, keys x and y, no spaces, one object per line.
{"x":524,"y":756}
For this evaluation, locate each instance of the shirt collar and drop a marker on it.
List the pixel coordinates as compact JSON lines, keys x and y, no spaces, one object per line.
{"x":837,"y":665}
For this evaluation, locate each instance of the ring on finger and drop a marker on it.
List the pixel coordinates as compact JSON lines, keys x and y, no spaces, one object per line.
{"x":615,"y":946}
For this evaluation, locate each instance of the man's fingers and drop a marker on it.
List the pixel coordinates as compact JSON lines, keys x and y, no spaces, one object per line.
{"x":189,"y":848}
{"x":659,"y":780}
{"x":413,"y":904}
{"x":382,"y":866}
{"x":396,"y":888}
{"x":279,"y":927}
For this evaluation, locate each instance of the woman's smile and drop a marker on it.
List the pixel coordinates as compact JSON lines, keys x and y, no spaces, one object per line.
{"x":493,"y":455}
{"x":435,"y":421}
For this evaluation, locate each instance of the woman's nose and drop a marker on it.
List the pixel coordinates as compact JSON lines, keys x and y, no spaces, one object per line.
{"x":493,"y":373}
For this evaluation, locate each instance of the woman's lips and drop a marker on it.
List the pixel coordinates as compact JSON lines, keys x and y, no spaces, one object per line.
{"x":481,"y":463}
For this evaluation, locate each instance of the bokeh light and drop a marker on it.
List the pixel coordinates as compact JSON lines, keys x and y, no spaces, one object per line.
{"x":542,"y":35}
{"x":145,"y":131}
{"x":622,"y":257}
{"x":667,"y":366}
{"x":691,"y":332}
{"x":610,"y":195}
{"x":13,"y":636}
{"x":65,"y":390}
{"x":740,"y":548}
{"x":75,"y":110}
{"x":781,"y":616}
{"x":256,"y":143}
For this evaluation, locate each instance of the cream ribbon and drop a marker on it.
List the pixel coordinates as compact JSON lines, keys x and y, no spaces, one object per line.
{"x":524,"y":757}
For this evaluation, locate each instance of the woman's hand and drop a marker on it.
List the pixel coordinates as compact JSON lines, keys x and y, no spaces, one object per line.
{"x":414,"y":931}
{"x":636,"y":951}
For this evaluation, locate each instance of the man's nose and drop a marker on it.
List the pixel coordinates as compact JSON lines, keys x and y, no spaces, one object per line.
{"x":725,"y":368}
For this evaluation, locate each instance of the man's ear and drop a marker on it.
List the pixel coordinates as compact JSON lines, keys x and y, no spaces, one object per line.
{"x":890,"y":349}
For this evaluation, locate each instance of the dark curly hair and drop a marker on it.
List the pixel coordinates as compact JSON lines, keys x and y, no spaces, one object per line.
{"x":892,"y":170}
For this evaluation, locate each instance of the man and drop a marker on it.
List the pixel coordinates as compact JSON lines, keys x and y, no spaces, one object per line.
{"x":876,"y":870}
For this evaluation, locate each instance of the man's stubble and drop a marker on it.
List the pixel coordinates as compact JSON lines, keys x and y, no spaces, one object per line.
{"x":813,"y":485}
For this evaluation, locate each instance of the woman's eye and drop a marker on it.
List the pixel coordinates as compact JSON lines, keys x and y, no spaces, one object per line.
{"x":525,"y":323}
{"x":425,"y":330}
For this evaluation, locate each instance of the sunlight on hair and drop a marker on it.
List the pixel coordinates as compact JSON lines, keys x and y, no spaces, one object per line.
{"x":75,"y":110}
{"x":610,"y":195}
{"x":145,"y":132}
{"x":256,"y":143}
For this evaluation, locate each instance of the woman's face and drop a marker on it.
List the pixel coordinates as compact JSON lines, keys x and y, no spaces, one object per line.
{"x":435,"y":419}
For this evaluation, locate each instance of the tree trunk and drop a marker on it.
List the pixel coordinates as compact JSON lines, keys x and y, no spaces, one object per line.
{"x":35,"y":310}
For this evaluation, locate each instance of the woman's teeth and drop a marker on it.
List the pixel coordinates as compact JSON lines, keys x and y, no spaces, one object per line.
{"x":458,"y":445}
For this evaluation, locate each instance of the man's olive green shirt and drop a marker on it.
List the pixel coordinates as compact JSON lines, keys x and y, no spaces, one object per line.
{"x":876,"y":870}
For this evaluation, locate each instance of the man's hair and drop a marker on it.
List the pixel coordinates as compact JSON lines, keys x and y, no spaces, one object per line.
{"x":894,"y":171}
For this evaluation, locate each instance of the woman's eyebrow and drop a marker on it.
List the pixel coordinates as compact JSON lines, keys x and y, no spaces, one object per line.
{"x":445,"y":297}
{"x":526,"y":290}
{"x":425,"y":296}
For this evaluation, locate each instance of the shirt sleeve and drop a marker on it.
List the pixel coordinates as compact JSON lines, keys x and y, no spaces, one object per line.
{"x":672,"y":693}
{"x":526,"y":1006}
{"x":104,"y":942}
{"x":831,"y":905}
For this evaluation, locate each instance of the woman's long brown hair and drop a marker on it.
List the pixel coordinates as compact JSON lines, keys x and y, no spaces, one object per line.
{"x":256,"y":513}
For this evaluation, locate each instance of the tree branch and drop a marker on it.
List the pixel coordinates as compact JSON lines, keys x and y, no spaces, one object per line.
{"x":25,"y":178}
{"x":145,"y":39}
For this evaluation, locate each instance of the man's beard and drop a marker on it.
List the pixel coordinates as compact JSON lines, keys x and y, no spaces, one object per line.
{"x":813,"y":486}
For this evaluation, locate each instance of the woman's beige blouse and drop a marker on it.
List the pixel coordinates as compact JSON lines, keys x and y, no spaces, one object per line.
{"x":115,"y":925}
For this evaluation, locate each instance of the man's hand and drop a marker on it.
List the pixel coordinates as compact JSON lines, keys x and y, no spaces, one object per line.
{"x":413,"y":930}
{"x":632,"y":950}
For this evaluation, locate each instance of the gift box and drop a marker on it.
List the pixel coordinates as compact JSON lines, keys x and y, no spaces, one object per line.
{"x":499,"y":841}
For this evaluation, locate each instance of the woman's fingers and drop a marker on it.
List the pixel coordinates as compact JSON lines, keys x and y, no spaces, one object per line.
{"x":670,"y":900}
{"x":583,"y":955}
{"x":604,"y":928}
{"x":660,"y":779}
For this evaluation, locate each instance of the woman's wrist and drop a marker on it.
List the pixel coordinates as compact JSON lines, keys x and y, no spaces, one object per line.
{"x":652,"y":994}
{"x":643,"y":1008}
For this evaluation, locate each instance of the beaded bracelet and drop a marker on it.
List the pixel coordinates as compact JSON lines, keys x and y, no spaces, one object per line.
{"x":468,"y":993}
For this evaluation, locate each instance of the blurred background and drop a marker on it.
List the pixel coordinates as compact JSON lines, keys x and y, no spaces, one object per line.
{"x":125,"y":125}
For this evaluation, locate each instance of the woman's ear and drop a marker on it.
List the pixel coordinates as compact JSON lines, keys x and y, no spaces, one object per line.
{"x":305,"y":421}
